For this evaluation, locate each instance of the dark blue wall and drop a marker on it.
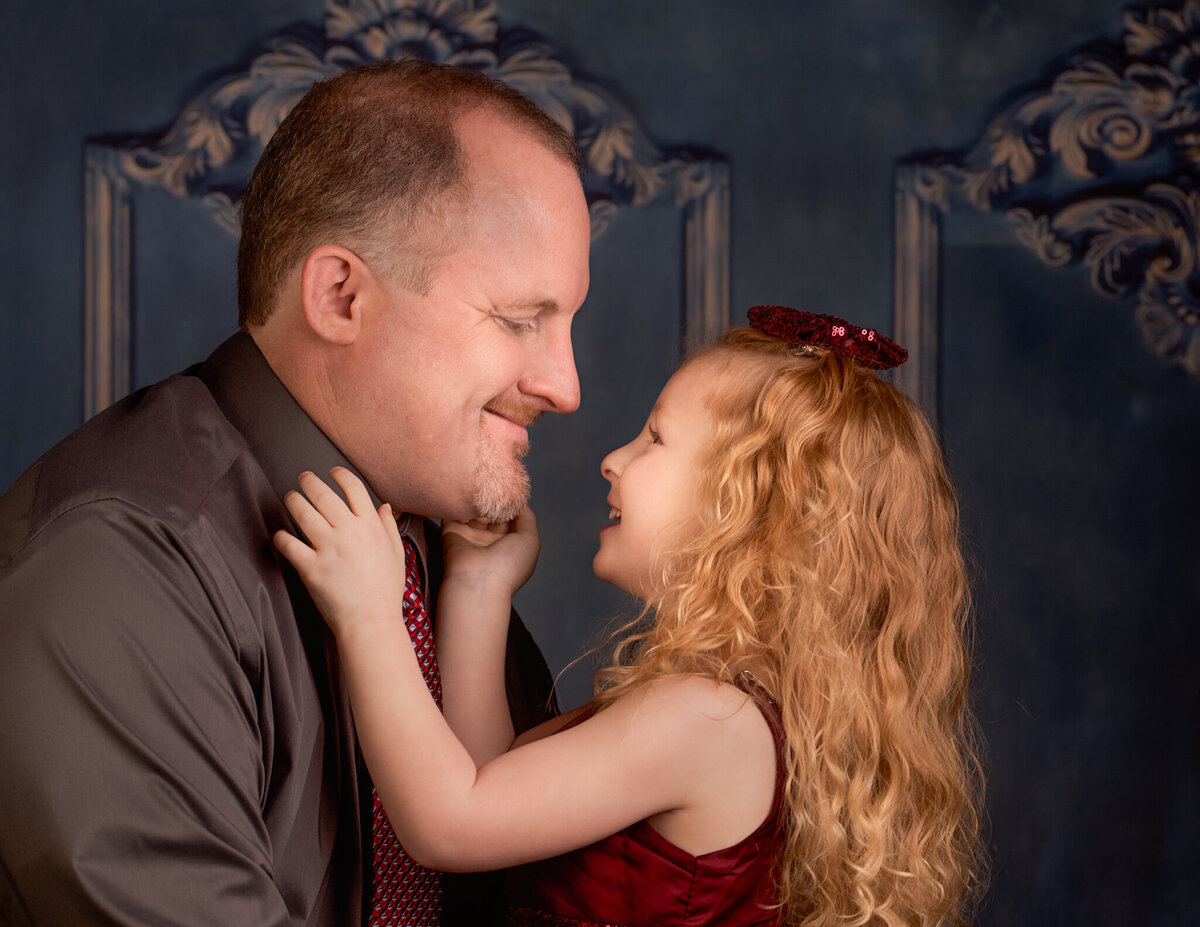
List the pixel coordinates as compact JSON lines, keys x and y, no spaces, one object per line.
{"x":1074,"y":447}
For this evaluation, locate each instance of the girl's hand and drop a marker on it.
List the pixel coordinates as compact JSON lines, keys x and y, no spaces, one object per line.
{"x":353,"y":563}
{"x":496,"y":558}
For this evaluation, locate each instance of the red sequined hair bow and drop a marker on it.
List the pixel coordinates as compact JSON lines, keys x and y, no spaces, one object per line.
{"x":807,"y":329}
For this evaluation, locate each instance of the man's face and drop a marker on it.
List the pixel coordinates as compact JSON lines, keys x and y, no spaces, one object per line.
{"x":451,"y":379}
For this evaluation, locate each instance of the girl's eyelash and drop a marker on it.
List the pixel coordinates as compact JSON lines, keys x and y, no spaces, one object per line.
{"x":654,"y":438}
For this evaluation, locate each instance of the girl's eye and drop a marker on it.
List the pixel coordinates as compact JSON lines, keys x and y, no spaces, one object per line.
{"x":654,"y":436}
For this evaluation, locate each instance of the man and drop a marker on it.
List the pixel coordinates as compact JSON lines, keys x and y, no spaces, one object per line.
{"x":175,"y":743}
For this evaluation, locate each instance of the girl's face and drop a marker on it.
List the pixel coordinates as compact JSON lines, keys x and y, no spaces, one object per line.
{"x":654,"y":480}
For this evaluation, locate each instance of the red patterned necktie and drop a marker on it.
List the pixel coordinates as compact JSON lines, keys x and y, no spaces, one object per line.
{"x":406,"y":894}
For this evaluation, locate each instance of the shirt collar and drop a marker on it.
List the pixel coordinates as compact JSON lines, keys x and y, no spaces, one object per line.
{"x":280,"y":435}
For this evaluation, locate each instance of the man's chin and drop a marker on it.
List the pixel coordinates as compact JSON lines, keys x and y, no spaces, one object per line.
{"x":498,"y":515}
{"x":498,"y":511}
{"x":501,"y":500}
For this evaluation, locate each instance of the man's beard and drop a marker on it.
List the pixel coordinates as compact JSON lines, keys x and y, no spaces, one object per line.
{"x":501,"y":483}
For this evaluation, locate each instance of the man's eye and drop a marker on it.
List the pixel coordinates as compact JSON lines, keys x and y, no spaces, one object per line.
{"x":519,"y":326}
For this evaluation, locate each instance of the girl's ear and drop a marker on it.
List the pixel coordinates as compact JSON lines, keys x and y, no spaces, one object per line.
{"x":334,"y":284}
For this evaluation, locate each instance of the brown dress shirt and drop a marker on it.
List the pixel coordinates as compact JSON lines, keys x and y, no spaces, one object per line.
{"x":176,"y":745}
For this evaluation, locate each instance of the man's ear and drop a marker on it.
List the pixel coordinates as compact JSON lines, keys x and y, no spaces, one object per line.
{"x":333,"y":282}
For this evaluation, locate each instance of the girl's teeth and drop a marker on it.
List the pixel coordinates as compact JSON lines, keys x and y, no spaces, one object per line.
{"x":614,"y":513}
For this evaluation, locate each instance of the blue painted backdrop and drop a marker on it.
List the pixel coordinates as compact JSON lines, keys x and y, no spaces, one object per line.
{"x":1075,"y":449}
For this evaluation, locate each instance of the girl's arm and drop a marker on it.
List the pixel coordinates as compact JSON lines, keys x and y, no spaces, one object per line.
{"x":485,"y":565}
{"x":550,"y":726}
{"x":650,"y":752}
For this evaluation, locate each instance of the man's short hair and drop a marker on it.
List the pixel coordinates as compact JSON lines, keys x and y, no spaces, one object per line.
{"x":370,"y":160}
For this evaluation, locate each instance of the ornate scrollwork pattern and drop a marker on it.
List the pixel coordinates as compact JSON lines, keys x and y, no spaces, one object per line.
{"x":208,"y":151}
{"x":1097,"y":165}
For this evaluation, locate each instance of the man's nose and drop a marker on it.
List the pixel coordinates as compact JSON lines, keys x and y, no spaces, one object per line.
{"x":554,"y":377}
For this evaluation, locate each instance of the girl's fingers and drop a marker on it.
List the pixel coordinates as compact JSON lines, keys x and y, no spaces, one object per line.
{"x":388,"y":519}
{"x":354,"y":490}
{"x":298,"y":554}
{"x":311,"y":522}
{"x":525,"y":521}
{"x":331,"y":506}
{"x":481,"y":537}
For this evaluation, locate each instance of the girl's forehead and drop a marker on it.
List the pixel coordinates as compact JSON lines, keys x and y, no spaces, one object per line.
{"x":688,"y":394}
{"x":697,"y":377}
{"x":704,"y":370}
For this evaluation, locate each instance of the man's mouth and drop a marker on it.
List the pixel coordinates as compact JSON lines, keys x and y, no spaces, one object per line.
{"x":518,"y":415}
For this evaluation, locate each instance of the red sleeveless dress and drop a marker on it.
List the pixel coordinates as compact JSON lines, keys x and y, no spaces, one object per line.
{"x":637,"y":878}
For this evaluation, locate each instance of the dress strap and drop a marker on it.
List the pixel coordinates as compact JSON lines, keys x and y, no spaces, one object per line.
{"x":748,"y":683}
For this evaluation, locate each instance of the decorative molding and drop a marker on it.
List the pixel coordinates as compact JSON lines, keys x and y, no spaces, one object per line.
{"x":107,"y":267}
{"x":918,"y":237}
{"x":209,"y":152}
{"x":1095,"y":165}
{"x":706,"y":250}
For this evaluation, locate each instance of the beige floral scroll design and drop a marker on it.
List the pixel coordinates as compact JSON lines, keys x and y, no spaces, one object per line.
{"x":1097,"y":166}
{"x":1145,"y":243}
{"x":209,"y":150}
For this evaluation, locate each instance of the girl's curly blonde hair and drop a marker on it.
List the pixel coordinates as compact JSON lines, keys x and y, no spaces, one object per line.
{"x":827,"y":559}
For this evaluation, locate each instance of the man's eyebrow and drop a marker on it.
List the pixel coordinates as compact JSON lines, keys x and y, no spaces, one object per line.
{"x":545,"y":304}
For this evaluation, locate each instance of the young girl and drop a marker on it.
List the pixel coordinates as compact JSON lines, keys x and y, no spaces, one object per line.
{"x":783,"y":736}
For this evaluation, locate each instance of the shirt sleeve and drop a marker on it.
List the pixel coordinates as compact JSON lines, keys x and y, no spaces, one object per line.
{"x":132,"y":774}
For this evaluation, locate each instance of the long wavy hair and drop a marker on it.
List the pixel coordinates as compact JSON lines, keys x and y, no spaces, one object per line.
{"x":827,"y":559}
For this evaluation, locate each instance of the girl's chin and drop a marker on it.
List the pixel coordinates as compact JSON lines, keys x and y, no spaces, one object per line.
{"x":604,"y":575}
{"x":624,"y":587}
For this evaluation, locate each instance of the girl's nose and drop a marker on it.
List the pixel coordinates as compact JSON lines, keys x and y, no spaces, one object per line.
{"x":606,"y":467}
{"x":610,"y":466}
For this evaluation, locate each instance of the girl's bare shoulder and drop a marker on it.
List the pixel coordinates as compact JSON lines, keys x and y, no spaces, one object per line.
{"x":695,"y":704}
{"x":731,"y":758}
